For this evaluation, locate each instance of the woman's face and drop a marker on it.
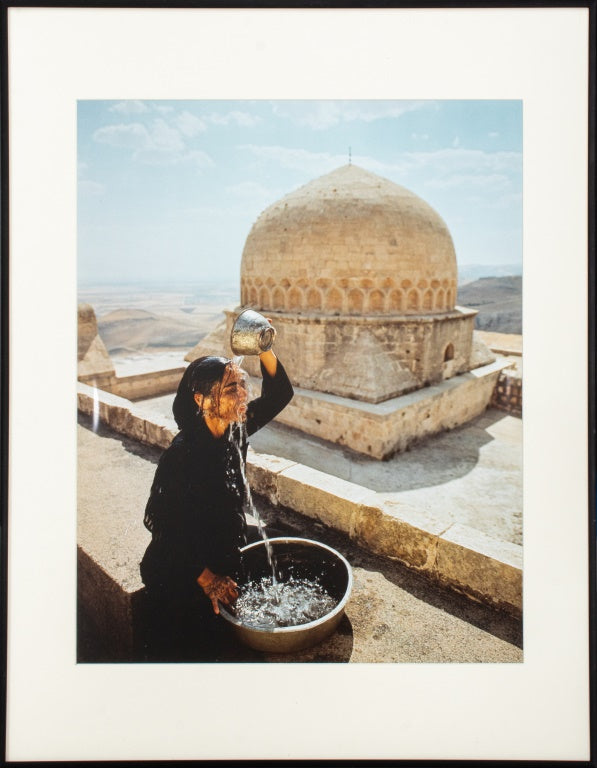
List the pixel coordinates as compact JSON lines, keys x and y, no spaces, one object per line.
{"x":228,"y":398}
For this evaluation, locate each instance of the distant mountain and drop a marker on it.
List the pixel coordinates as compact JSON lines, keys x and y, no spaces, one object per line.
{"x":498,"y":301}
{"x":467,"y":273}
{"x":137,"y":329}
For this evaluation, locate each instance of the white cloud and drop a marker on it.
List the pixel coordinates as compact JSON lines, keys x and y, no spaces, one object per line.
{"x":244,"y":119}
{"x":320,"y":115}
{"x":493,"y":135}
{"x":164,"y":157}
{"x":313,"y":163}
{"x":158,"y":143}
{"x":165,"y":138}
{"x":438,"y":164}
{"x":126,"y":136}
{"x":194,"y":213}
{"x":129,"y":107}
{"x":189,"y":124}
{"x":494,"y":175}
{"x":495,"y":181}
{"x":158,"y":140}
{"x":460,"y":159}
{"x":251,"y":190}
{"x":199,"y":158}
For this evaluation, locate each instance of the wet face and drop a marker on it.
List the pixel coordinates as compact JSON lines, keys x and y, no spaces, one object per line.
{"x":228,"y":398}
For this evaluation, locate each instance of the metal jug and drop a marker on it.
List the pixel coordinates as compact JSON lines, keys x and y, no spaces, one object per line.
{"x":251,"y":334}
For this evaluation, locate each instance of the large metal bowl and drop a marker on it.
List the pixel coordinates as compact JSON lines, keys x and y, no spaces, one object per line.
{"x":301,"y":558}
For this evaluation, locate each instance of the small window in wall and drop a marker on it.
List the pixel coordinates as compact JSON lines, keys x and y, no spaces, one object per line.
{"x":449,"y":352}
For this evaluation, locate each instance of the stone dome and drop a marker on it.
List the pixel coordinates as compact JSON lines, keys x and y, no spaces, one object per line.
{"x":350,"y":243}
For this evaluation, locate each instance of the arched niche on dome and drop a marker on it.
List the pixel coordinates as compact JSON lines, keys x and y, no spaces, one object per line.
{"x":333,"y":300}
{"x":428,"y":300}
{"x":440,"y":300}
{"x":355,"y":301}
{"x":313,"y":299}
{"x":413,"y":300}
{"x":253,"y":296}
{"x":264,"y":297}
{"x":376,"y":301}
{"x":395,"y":301}
{"x":278,"y":297}
{"x":295,"y":298}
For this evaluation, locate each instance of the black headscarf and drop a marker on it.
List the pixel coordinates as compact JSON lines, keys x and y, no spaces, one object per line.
{"x":199,"y":377}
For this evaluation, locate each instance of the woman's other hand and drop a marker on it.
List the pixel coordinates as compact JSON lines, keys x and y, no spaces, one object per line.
{"x":221,"y":588}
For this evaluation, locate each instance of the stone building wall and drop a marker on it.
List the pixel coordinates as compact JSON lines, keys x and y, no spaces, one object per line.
{"x":370,"y":358}
{"x":382,"y":429}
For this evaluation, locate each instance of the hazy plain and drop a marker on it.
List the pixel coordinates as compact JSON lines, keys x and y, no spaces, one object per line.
{"x":139,"y":322}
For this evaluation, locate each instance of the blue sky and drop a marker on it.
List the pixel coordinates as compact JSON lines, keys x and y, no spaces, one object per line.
{"x":168,"y":190}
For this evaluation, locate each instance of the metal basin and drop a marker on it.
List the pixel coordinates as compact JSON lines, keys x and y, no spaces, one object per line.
{"x":301,"y":558}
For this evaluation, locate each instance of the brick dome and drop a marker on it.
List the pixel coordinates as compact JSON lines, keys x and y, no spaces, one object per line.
{"x":350,"y":243}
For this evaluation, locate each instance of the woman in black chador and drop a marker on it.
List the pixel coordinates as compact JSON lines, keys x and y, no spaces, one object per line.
{"x":195,"y":511}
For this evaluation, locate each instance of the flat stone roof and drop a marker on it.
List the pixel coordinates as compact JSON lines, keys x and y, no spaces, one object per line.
{"x":150,"y":362}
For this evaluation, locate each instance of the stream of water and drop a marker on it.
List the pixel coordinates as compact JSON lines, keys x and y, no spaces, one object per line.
{"x":249,"y":502}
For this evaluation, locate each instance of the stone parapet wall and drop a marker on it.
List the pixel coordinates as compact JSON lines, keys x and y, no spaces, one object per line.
{"x":124,"y":417}
{"x":507,"y":395}
{"x":138,"y":386}
{"x":455,"y":555}
{"x":144,"y":385}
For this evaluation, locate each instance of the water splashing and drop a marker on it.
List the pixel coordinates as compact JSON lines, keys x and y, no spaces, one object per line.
{"x":263,"y":604}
